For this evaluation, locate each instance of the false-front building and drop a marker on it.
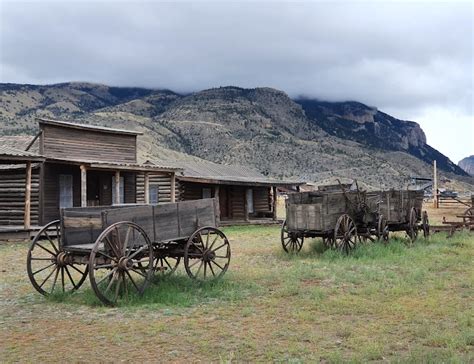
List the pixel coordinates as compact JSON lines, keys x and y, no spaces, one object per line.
{"x":75,"y":165}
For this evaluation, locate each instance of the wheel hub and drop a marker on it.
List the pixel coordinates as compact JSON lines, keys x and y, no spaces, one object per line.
{"x":208,"y":255}
{"x":61,"y":259}
{"x":124,"y":264}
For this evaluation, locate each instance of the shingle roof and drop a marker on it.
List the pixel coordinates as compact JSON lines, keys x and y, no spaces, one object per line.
{"x":220,"y":174}
{"x":19,"y":142}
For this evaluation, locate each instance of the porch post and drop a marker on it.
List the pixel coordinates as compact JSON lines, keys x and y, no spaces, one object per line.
{"x":274,"y":201}
{"x":117,"y":187}
{"x":147,"y":188}
{"x":217,"y":203}
{"x":173,"y":187}
{"x":246,"y":205}
{"x":83,"y":186}
{"x":27,"y":216}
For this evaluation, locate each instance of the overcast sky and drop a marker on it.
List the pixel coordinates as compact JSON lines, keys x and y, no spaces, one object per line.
{"x":411,"y":60}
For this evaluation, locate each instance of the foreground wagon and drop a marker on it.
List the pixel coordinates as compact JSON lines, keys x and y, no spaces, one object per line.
{"x":343,"y":219}
{"x":121,"y":248}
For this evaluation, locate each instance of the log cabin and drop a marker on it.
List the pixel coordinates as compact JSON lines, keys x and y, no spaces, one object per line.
{"x":74,"y":165}
{"x":245,"y":196}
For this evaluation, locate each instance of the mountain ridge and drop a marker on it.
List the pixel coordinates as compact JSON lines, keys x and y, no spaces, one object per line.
{"x":261,"y":127}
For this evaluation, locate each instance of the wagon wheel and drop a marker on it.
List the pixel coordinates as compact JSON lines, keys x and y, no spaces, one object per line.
{"x":328,"y":241}
{"x":121,"y":262}
{"x":468,"y":216}
{"x":425,"y":223}
{"x":291,"y":242}
{"x":49,"y":268}
{"x":382,"y":229}
{"x":345,"y":234}
{"x":165,"y":265}
{"x":412,"y":230}
{"x":207,"y":254}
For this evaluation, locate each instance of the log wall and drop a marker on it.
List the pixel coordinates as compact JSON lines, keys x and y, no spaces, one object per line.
{"x":12,"y":196}
{"x":162,"y":180}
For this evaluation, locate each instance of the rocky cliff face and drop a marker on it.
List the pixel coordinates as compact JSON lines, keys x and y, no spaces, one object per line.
{"x":260,"y":127}
{"x":467,"y":164}
{"x":373,"y":128}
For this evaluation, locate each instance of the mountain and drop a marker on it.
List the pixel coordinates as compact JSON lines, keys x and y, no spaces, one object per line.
{"x":467,"y":164}
{"x":261,"y":127}
{"x":355,"y":121}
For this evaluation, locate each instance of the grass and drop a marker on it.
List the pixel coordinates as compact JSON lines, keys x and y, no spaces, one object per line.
{"x":395,"y":302}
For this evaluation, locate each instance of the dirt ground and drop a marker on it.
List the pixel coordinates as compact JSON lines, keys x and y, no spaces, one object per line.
{"x":395,"y":303}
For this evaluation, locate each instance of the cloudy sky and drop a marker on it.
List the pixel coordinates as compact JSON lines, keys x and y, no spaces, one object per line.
{"x":413,"y":60}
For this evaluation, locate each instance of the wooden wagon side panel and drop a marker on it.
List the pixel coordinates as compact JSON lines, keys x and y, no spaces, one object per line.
{"x":334,"y":205}
{"x":140,"y":215}
{"x":166,"y":221}
{"x":80,"y":226}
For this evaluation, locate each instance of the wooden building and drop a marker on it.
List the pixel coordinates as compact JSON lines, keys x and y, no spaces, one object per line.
{"x":245,"y":195}
{"x":76,"y":165}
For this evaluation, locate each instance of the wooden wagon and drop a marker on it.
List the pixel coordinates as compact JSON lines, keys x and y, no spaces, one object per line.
{"x":120,"y":248}
{"x":342,"y":219}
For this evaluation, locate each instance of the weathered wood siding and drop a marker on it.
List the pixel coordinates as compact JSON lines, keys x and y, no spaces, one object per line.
{"x":12,"y":196}
{"x":50,"y":189}
{"x":130,"y":190}
{"x":63,"y":142}
{"x":193,"y":191}
{"x":262,"y":202}
{"x":235,"y":201}
{"x":162,"y":180}
{"x":100,"y":180}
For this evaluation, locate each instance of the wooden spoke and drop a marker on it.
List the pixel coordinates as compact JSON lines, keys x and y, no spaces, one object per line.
{"x":48,"y":276}
{"x":42,"y":269}
{"x":49,"y":251}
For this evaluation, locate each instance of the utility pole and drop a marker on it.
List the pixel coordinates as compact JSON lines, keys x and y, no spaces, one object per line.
{"x":435,"y":186}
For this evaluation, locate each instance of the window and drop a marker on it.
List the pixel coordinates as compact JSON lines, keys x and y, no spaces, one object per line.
{"x":206,"y":193}
{"x":122,"y":190}
{"x":65,"y":191}
{"x":153,"y":191}
{"x":249,"y":194}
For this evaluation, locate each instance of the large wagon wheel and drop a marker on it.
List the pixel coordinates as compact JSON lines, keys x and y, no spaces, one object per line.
{"x":121,"y":262}
{"x":290,"y":242}
{"x":345,"y":234}
{"x":49,"y":268}
{"x":425,"y":224}
{"x":382,"y":229}
{"x":412,"y":229}
{"x":207,"y":254}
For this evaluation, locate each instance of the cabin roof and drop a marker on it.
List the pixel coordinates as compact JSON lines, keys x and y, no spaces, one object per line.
{"x":75,"y":125}
{"x":209,"y":172}
{"x":9,"y":154}
{"x":94,"y":164}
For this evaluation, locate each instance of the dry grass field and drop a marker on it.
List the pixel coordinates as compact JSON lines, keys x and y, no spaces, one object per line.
{"x":395,"y":303}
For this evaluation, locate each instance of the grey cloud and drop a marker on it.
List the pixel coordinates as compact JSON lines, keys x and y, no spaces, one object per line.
{"x":400,"y":56}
